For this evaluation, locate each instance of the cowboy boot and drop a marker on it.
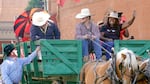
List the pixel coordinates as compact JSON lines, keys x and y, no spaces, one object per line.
{"x":85,"y":58}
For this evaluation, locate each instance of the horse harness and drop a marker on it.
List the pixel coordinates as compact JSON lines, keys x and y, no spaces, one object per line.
{"x":110,"y":73}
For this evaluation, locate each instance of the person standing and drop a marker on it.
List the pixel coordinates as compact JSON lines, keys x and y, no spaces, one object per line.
{"x":89,"y":33}
{"x":43,"y":28}
{"x":12,"y":66}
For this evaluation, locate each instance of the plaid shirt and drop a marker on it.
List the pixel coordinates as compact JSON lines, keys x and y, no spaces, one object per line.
{"x":81,"y":30}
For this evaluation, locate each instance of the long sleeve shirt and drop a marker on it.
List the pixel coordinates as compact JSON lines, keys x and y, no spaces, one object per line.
{"x":81,"y":30}
{"x":52,"y":32}
{"x":12,"y":69}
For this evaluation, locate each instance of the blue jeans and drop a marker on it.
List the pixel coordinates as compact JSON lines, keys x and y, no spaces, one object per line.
{"x":108,"y":46}
{"x":96,"y":47}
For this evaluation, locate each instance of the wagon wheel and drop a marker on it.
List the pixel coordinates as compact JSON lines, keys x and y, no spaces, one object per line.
{"x":57,"y":82}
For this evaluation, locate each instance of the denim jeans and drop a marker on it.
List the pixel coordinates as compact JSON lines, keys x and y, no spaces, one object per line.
{"x":96,"y":47}
{"x":108,"y":46}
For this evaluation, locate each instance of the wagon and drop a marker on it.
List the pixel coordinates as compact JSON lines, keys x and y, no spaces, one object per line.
{"x":139,"y":47}
{"x":61,"y":62}
{"x":62,"y":59}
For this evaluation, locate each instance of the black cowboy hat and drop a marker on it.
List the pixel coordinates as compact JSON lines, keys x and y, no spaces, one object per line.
{"x":120,"y":14}
{"x":8,"y":49}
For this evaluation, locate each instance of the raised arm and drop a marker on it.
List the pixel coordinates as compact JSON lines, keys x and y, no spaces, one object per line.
{"x":126,"y":33}
{"x":128,"y":23}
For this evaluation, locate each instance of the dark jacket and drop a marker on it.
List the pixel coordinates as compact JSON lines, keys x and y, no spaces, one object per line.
{"x":51,"y":33}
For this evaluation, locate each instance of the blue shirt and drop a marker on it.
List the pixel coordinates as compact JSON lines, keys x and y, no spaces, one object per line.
{"x":52,"y":32}
{"x":12,"y":69}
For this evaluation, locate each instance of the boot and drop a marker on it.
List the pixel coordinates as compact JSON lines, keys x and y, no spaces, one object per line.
{"x":85,"y":58}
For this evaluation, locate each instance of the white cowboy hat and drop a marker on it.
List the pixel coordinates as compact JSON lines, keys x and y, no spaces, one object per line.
{"x":85,"y":12}
{"x":113,"y":15}
{"x":40,"y":18}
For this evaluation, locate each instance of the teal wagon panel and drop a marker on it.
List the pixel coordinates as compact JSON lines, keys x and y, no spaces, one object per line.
{"x":61,"y":61}
{"x":139,"y":47}
{"x":61,"y":57}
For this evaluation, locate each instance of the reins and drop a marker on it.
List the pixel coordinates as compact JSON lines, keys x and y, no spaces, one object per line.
{"x":98,"y":44}
{"x":111,"y":72}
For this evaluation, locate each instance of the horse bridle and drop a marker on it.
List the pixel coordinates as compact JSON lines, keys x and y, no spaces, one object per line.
{"x":133,"y":76}
{"x":111,"y":72}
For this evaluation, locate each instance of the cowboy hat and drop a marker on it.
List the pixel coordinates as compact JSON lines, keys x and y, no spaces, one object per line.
{"x":40,"y":18}
{"x":85,"y":12}
{"x":120,"y":14}
{"x":8,"y":49}
{"x":113,"y":15}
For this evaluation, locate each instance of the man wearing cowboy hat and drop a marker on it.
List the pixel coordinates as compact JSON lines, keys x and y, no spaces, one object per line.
{"x":111,"y":31}
{"x":88,"y":32}
{"x":12,"y":66}
{"x":43,"y":28}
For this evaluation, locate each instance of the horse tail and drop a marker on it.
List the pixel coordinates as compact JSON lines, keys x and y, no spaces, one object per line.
{"x":82,"y":73}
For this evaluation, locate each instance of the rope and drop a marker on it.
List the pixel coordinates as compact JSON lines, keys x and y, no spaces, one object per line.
{"x":105,"y":44}
{"x":134,"y":81}
{"x":101,"y":47}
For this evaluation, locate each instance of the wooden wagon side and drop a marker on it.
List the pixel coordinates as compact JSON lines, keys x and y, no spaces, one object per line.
{"x":61,"y":62}
{"x":139,"y":47}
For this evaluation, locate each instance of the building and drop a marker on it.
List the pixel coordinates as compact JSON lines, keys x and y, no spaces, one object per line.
{"x":66,"y":14}
{"x":9,"y":10}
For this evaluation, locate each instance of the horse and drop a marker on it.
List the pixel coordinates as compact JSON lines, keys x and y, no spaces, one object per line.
{"x":119,"y":69}
{"x":143,"y":77}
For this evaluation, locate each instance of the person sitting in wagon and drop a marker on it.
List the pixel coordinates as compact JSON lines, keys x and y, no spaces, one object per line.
{"x":88,"y":32}
{"x":111,"y":31}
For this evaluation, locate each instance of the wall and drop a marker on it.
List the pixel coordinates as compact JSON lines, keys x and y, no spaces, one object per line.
{"x":66,"y":17}
{"x":10,"y":9}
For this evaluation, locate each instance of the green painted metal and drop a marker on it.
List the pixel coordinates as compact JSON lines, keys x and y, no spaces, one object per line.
{"x":139,"y":47}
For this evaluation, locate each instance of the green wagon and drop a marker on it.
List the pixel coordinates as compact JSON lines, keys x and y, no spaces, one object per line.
{"x":139,"y":47}
{"x":61,"y":62}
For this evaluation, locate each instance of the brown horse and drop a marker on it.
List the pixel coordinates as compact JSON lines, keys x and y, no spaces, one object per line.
{"x":119,"y":69}
{"x":143,"y":77}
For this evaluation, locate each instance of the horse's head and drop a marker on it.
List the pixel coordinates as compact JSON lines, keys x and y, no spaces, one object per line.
{"x":144,"y":72}
{"x":126,"y":65}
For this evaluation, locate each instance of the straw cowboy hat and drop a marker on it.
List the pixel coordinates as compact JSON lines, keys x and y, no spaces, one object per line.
{"x":85,"y":12}
{"x":113,"y":15}
{"x":40,"y":18}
